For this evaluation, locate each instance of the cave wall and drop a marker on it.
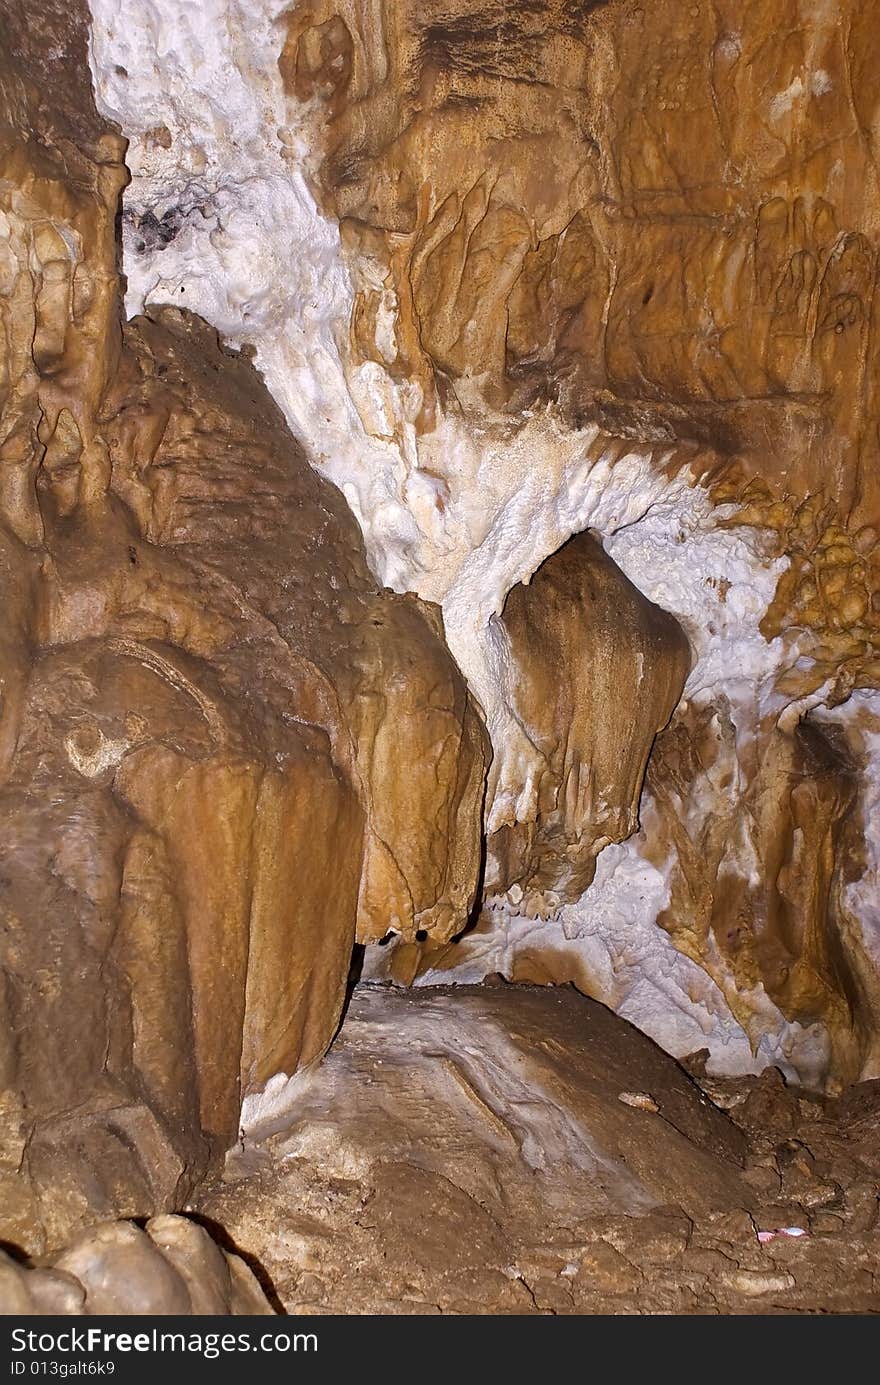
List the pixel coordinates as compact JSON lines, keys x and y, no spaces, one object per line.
{"x":227,"y":754}
{"x":698,"y":252}
{"x":508,"y":275}
{"x":562,"y":268}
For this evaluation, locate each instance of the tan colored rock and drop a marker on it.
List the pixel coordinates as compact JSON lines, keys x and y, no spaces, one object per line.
{"x":699,"y":251}
{"x":786,"y":800}
{"x":662,"y":220}
{"x":224,"y":751}
{"x":594,"y":671}
{"x":401,"y":727}
{"x":226,"y":754}
{"x":171,"y":1268}
{"x":604,"y":1269}
{"x":695,"y":263}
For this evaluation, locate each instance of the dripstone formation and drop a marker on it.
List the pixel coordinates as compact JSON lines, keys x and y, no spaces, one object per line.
{"x":438,"y":506}
{"x":227,"y":753}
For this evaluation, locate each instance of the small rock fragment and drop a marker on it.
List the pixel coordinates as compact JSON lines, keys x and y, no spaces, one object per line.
{"x":757,"y":1282}
{"x":770,"y":1105}
{"x":827,"y":1223}
{"x":642,"y":1101}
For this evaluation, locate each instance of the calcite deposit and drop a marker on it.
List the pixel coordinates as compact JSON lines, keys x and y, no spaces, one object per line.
{"x":592,"y":718}
{"x":227,"y":753}
{"x":554,"y":1161}
{"x":568,"y":267}
{"x":439,"y":509}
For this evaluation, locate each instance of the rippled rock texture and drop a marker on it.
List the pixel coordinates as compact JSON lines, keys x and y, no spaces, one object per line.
{"x":592,"y":671}
{"x":461,"y":495}
{"x":226,"y":752}
{"x":697,"y":256}
{"x":573,"y":267}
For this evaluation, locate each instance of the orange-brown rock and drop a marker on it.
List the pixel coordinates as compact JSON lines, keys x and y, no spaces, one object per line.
{"x":594,"y":671}
{"x":225,"y":751}
{"x":695,"y":263}
{"x":664,"y":215}
{"x":369,"y":668}
{"x":664,"y":220}
{"x":784,"y":801}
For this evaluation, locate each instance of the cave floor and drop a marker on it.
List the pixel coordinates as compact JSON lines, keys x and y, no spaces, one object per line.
{"x":518,"y":1150}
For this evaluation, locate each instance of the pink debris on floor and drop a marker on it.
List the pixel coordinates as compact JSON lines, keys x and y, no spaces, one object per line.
{"x":793,"y":1231}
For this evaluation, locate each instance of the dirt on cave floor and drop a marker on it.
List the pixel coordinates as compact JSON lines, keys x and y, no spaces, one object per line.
{"x":516,"y":1150}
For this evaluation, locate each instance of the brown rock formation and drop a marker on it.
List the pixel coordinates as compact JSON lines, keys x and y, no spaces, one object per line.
{"x":171,"y":1268}
{"x":554,"y":1162}
{"x":662,"y":219}
{"x":226,"y":752}
{"x":783,"y":800}
{"x":696,"y":258}
{"x":695,"y":263}
{"x":594,"y":672}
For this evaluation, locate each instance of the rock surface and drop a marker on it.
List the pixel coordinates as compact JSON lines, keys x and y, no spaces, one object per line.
{"x":504,"y":1124}
{"x":172,"y":1267}
{"x":516,"y":1149}
{"x":592,"y":671}
{"x":580,"y":266}
{"x":697,"y":257}
{"x":226,"y":752}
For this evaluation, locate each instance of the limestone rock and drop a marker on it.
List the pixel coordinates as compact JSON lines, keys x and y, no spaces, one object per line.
{"x":784,"y":930}
{"x":566,"y":267}
{"x":171,"y":1268}
{"x":477,"y":1052}
{"x":699,"y":248}
{"x":592,"y":672}
{"x":225,"y":752}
